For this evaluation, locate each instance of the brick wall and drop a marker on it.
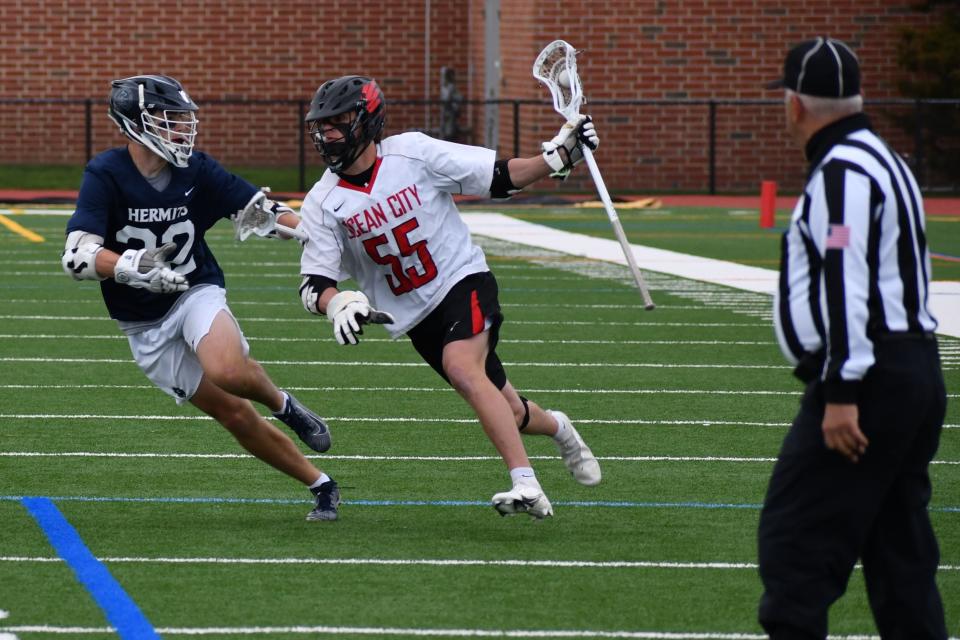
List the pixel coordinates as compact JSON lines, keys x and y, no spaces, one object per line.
{"x":265,"y":50}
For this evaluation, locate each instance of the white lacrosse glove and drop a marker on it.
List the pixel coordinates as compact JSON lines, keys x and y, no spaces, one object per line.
{"x":565,"y":150}
{"x":349,"y":311}
{"x":148,"y":269}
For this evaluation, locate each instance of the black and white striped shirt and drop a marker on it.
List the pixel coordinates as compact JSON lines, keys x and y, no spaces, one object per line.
{"x":854,"y":261}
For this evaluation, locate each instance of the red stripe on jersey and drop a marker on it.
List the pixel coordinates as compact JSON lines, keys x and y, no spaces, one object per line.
{"x":367,"y":189}
{"x":475,"y":313}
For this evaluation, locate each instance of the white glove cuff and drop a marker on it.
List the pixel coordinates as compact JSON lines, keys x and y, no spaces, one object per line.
{"x":342,"y":299}
{"x":555,"y":159}
{"x":127,"y":269}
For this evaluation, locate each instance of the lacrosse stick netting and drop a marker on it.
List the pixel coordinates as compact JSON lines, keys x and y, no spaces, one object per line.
{"x":556,"y":67}
{"x":254,"y":219}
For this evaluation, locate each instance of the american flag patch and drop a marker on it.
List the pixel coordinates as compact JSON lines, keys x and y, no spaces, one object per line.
{"x":838,"y":236}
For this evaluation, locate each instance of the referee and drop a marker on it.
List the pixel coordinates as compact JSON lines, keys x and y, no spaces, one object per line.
{"x":851,"y":481}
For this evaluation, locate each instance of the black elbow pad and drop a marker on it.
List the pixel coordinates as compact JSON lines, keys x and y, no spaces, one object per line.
{"x":502,"y":186}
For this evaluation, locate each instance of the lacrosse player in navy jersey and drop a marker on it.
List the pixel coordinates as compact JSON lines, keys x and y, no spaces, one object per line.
{"x":384,"y":215}
{"x":138,"y":229}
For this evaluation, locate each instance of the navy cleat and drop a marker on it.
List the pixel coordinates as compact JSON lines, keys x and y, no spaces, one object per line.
{"x":328,"y":499}
{"x":306,"y":424}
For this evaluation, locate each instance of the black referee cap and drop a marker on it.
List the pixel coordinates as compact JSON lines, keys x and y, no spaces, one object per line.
{"x":821,"y":67}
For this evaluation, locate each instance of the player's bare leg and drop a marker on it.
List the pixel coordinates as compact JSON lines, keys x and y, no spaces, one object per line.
{"x":269,"y":444}
{"x":224,"y":364}
{"x":541,"y":422}
{"x":464,"y":363}
{"x":253,"y":432}
{"x":577,"y":456}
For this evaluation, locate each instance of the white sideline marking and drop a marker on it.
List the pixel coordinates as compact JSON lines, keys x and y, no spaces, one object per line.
{"x":944,"y":295}
{"x":349,"y":363}
{"x":365,"y":458}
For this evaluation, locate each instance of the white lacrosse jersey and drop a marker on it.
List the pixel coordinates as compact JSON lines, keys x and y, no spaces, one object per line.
{"x":401,"y":237}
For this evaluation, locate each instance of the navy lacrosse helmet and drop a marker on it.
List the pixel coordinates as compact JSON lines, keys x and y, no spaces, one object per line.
{"x":349,"y":94}
{"x":156,"y":112}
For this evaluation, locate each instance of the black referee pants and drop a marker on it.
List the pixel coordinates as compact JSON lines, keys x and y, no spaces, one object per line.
{"x":822,"y":512}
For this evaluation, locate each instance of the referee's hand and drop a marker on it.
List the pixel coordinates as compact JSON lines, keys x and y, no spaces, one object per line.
{"x":841,"y":431}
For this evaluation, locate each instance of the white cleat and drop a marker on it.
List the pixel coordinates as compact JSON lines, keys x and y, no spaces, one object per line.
{"x":523,"y":499}
{"x":577,"y":456}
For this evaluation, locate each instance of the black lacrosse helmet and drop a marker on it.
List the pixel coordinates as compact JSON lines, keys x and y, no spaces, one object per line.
{"x":357,"y":94}
{"x":156,"y":112}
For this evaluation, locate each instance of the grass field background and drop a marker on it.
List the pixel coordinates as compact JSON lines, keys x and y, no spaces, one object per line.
{"x":685,"y":407}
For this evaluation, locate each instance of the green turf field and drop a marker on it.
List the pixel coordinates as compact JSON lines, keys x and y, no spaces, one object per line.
{"x":685,"y":407}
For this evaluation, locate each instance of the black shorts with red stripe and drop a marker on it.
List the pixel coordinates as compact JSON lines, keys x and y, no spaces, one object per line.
{"x":470,"y":307}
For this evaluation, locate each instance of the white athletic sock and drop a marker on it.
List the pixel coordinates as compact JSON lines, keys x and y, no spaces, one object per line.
{"x":524,"y":475}
{"x":323,"y":478}
{"x":286,"y":404}
{"x":561,"y":428}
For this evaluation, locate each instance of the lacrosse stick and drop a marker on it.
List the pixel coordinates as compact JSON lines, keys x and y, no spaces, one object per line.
{"x":556,"y":67}
{"x":256,"y":219}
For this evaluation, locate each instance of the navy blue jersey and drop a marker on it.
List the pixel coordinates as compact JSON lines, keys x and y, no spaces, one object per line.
{"x":117,"y":203}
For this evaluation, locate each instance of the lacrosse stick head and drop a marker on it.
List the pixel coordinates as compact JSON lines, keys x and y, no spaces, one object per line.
{"x":556,"y":67}
{"x":254,"y":218}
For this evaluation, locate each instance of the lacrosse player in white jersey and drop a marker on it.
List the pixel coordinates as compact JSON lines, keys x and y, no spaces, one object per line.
{"x":384,"y":215}
{"x":142,"y":214}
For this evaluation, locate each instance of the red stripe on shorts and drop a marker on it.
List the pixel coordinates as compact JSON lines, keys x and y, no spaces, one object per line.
{"x":475,"y":313}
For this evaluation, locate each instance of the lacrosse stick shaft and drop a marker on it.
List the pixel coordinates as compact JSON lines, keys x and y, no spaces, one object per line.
{"x":618,"y":228}
{"x":293,"y":232}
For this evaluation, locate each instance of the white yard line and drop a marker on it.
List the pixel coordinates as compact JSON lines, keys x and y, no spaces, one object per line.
{"x":382,"y":420}
{"x":409,"y":631}
{"x":120,"y":336}
{"x":944,"y":296}
{"x":698,"y":392}
{"x":431,"y":562}
{"x":282,"y":320}
{"x":351,"y":363}
{"x":721,"y":392}
{"x":437,"y":562}
{"x":375,"y":458}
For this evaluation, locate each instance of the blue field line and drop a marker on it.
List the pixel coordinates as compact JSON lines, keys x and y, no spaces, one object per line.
{"x":425,"y":503}
{"x":119,"y":608}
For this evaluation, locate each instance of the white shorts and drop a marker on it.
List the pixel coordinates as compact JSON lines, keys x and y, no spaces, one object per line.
{"x":166,"y":350}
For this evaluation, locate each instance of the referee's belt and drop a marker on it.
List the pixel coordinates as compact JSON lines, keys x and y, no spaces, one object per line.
{"x":899,"y":336}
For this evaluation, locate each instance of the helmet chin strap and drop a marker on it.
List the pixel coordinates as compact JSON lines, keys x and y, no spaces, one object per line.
{"x":352,"y":149}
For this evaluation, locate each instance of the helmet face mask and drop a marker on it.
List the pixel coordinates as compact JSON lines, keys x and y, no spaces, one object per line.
{"x":354,"y":106}
{"x":156,"y":112}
